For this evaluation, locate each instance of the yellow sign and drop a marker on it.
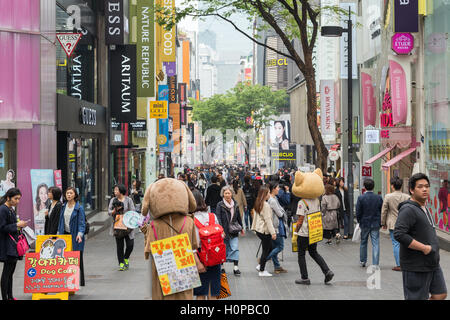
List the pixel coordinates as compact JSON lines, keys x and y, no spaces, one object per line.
{"x":294,"y":238}
{"x":158,"y":109}
{"x":315,"y":228}
{"x":166,"y":38}
{"x":162,"y":139}
{"x":173,"y":256}
{"x":276,"y":62}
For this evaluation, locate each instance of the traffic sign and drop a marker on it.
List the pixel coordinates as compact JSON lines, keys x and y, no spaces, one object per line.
{"x":68,"y":41}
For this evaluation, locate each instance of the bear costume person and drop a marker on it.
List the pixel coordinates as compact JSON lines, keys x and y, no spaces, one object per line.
{"x":309,"y":187}
{"x":170,"y":203}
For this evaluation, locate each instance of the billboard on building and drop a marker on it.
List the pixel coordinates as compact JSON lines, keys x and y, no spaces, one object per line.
{"x":280,"y":134}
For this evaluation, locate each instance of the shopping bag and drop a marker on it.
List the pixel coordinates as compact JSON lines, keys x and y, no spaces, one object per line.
{"x":30,"y":236}
{"x":224,"y":286}
{"x":294,"y":238}
{"x":357,"y":234}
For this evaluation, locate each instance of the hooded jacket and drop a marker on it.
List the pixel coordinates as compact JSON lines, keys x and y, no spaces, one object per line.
{"x":414,"y":224}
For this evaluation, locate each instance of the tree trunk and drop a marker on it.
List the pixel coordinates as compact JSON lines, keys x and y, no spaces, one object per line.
{"x":322,"y":152}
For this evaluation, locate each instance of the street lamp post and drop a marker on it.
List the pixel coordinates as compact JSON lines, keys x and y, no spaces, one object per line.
{"x":334,"y":31}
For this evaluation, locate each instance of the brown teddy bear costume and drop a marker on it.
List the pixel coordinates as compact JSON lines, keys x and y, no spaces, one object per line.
{"x":169,"y":200}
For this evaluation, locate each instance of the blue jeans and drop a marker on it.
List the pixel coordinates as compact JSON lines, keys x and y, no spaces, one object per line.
{"x":232,"y":249}
{"x":277,"y":247}
{"x":346,"y":223}
{"x":248,"y":218}
{"x":375,"y":239}
{"x":396,"y":247}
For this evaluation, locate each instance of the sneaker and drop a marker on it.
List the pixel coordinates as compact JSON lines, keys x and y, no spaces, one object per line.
{"x":121,"y":267}
{"x":329,"y":276}
{"x":303,"y":281}
{"x":127,"y":264}
{"x":280,"y":270}
{"x":264,"y":274}
{"x":236,"y":272}
{"x":258,"y":267}
{"x":362,"y":264}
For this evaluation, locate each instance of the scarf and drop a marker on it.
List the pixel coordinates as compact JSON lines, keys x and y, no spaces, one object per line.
{"x":230,"y":206}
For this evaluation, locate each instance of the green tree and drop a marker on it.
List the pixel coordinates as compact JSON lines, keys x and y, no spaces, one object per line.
{"x":290,"y":19}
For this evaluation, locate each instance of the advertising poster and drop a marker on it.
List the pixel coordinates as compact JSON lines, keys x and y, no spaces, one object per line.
{"x":280,"y":134}
{"x":53,"y":273}
{"x":175,"y":264}
{"x":41,"y":180}
{"x":315,"y":228}
{"x":2,"y":154}
{"x":8,"y":183}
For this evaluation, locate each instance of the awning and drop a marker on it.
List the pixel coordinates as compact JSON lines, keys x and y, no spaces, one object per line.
{"x":335,"y":147}
{"x":379,"y":155}
{"x":398,"y":158}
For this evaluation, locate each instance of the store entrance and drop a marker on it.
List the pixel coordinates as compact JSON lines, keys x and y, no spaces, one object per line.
{"x":83,"y":164}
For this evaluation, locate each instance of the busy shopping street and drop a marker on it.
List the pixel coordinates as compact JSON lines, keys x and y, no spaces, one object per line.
{"x":197,"y":150}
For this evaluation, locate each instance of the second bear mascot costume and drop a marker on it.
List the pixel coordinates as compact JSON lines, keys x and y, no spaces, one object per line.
{"x":170,"y":201}
{"x":309,"y":187}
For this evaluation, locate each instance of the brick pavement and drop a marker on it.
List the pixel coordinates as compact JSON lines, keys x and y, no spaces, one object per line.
{"x":105,"y":282}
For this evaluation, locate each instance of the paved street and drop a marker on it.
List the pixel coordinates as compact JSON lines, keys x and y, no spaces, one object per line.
{"x":105,"y":282}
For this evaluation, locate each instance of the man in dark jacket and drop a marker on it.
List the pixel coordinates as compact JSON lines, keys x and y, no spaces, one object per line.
{"x":419,"y":246}
{"x":368,"y":215}
{"x":213,"y":194}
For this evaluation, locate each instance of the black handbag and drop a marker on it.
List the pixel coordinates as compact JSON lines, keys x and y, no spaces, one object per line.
{"x":234,"y":227}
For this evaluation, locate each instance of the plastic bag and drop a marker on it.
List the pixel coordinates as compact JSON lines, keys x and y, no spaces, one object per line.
{"x":357,"y":234}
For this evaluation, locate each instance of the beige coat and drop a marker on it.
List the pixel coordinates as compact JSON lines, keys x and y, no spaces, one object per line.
{"x":330,"y":205}
{"x":241,"y":201}
{"x":262,"y":222}
{"x":389,"y":211}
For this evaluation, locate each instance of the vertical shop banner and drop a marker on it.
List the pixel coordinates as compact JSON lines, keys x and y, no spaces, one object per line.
{"x":406,"y":15}
{"x":344,"y":42}
{"x":80,"y":78}
{"x":145,"y":48}
{"x":182,"y":99}
{"x":399,"y":93}
{"x":186,"y":50}
{"x":167,"y":46}
{"x":114,"y":22}
{"x":163,"y":124}
{"x":327,"y":46}
{"x":173,"y":92}
{"x":327,"y":123}
{"x":171,"y":68}
{"x":41,"y":181}
{"x":58,"y":178}
{"x":369,"y":106}
{"x":123,"y":83}
{"x":174,"y":113}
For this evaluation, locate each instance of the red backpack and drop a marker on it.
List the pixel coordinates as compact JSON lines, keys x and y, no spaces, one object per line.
{"x":213,"y":250}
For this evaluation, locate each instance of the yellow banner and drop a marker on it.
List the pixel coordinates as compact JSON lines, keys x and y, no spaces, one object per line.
{"x":166,"y":38}
{"x":158,"y":109}
{"x":315,"y":228}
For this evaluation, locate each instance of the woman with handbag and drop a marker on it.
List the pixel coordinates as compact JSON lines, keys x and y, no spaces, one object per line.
{"x":263,"y":226}
{"x":230,"y":219}
{"x":330,"y":205}
{"x":123,"y":238}
{"x":72,"y":221}
{"x":9,"y":234}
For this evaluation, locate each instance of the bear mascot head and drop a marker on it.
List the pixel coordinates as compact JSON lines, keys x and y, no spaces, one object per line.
{"x":170,"y":203}
{"x":308,"y":185}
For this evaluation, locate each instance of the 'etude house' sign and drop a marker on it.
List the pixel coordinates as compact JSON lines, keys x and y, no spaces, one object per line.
{"x":402,"y":43}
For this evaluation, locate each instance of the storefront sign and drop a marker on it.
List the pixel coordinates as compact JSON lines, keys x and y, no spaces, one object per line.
{"x":368,"y":98}
{"x":158,"y":110}
{"x":167,"y":37}
{"x":398,"y":93}
{"x":333,"y":155}
{"x":80,"y":75}
{"x":372,"y":136}
{"x":402,"y":43}
{"x":173,"y":93}
{"x":406,"y":15}
{"x":171,"y":68}
{"x":274,"y":63}
{"x":88,"y":116}
{"x":140,"y":125}
{"x":173,"y":256}
{"x":366,"y":171}
{"x":163,"y":124}
{"x":114,"y":22}
{"x":182,"y":99}
{"x":327,"y":123}
{"x":123,"y":83}
{"x":285,"y":155}
{"x":68,"y":41}
{"x":145,"y":48}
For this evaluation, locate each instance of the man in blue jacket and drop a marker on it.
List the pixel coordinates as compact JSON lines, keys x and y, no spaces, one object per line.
{"x":368,"y":215}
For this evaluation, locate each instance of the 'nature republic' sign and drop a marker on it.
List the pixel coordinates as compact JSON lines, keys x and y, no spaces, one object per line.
{"x":145,"y":48}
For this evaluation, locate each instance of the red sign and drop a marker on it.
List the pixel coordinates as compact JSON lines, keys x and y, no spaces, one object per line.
{"x":58,"y":178}
{"x":402,"y":43}
{"x":366,"y":171}
{"x":68,"y":41}
{"x":59,"y":274}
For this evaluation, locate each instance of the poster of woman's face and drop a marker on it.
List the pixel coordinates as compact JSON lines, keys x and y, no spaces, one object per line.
{"x":8,"y":183}
{"x":280,"y":134}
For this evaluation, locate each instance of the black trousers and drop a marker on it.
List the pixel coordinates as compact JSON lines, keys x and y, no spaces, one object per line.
{"x":303,"y":245}
{"x":121,"y":255}
{"x":9,"y":266}
{"x":266,"y":240}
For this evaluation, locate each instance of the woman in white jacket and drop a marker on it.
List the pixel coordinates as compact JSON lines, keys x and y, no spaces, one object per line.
{"x":263,"y":225}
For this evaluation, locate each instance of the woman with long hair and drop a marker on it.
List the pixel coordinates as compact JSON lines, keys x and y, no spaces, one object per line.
{"x":73,"y":221}
{"x":41,"y":198}
{"x":263,"y":226}
{"x":9,"y":232}
{"x":239,"y":197}
{"x":344,"y":214}
{"x":330,"y":205}
{"x":53,"y":212}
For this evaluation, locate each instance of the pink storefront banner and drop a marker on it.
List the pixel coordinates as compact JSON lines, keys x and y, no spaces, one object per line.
{"x":369,"y":106}
{"x":399,"y":96}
